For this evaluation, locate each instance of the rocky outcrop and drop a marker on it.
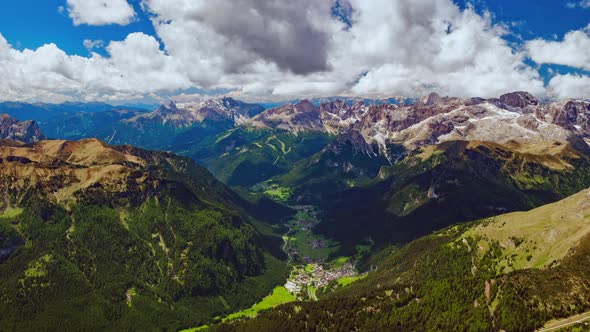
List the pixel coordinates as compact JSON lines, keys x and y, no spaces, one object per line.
{"x":431,"y":99}
{"x":24,"y":131}
{"x":571,"y":115}
{"x":514,"y":116}
{"x":220,"y":110}
{"x":356,"y":140}
{"x":519,"y":99}
{"x":299,"y":117}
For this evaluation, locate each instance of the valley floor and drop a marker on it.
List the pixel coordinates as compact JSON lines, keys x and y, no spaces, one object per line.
{"x":313,"y":268}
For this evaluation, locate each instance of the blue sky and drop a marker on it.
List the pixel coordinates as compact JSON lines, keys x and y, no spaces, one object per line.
{"x":45,"y":23}
{"x":30,"y":24}
{"x":531,"y":19}
{"x":535,"y":18}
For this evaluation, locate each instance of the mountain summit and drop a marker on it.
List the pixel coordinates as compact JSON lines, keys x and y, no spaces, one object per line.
{"x":25,"y":131}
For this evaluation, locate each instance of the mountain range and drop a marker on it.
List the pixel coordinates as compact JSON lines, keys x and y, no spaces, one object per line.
{"x":457,"y":213}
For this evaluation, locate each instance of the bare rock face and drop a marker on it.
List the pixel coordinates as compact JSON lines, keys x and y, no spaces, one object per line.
{"x":519,"y":99}
{"x":303,"y":116}
{"x":572,"y":115}
{"x":440,"y":128}
{"x":338,"y":116}
{"x":432,"y":99}
{"x":474,"y":101}
{"x":24,"y":131}
{"x":356,"y":139}
{"x":179,"y":115}
{"x":529,"y":122}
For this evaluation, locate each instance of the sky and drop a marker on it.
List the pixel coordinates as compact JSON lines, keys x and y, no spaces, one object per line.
{"x":123,"y":51}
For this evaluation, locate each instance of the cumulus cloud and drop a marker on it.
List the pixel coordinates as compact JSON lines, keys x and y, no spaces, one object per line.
{"x":570,"y":86}
{"x":92,"y":44}
{"x":287,"y":34}
{"x":395,"y":47}
{"x":135,"y":66}
{"x":425,"y":45}
{"x":293,"y":49}
{"x":100,"y":12}
{"x":573,"y":50}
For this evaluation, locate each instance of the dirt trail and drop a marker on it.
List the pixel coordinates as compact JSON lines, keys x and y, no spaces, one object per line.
{"x":562,"y":323}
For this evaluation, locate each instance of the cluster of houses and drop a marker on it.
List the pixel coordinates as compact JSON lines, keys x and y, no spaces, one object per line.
{"x":316,"y":275}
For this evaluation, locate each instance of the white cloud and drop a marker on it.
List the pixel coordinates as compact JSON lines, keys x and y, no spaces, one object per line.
{"x":282,"y":50}
{"x":424,"y":45}
{"x":585,"y":4}
{"x":92,"y":44}
{"x":404,"y":47}
{"x":570,"y":86}
{"x":573,"y":50}
{"x":100,"y":12}
{"x":136,"y":66}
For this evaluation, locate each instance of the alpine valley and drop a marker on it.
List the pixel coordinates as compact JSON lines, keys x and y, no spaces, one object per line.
{"x":333,"y":214}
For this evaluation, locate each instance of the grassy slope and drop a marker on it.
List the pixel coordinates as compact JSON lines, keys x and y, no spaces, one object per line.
{"x":246,"y":156}
{"x":445,"y":281}
{"x":11,"y":212}
{"x":537,"y":238}
{"x":280,"y":295}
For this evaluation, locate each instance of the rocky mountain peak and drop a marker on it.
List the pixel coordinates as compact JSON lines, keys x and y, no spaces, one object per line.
{"x":184,"y":114}
{"x":573,"y":115}
{"x":431,"y":99}
{"x":306,"y":106}
{"x":519,"y":99}
{"x":24,"y":131}
{"x":303,"y":116}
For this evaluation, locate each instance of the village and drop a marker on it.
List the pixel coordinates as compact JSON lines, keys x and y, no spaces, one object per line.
{"x":311,"y":270}
{"x":316,"y":276}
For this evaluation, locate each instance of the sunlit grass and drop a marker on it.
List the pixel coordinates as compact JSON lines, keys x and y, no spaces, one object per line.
{"x":11,"y":213}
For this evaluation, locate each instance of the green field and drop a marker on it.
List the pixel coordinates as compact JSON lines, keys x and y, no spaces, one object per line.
{"x":278,"y":193}
{"x":280,"y":295}
{"x":340,"y":261}
{"x":345,"y":281}
{"x":11,"y":213}
{"x":301,"y":241}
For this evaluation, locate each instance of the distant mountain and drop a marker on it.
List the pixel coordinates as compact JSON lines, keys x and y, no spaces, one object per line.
{"x":233,"y":139}
{"x":372,"y":129}
{"x":244,"y":156}
{"x":24,"y":131}
{"x":121,"y":238}
{"x":303,"y":116}
{"x":171,"y":127}
{"x":516,"y":116}
{"x":189,"y":113}
{"x":42,"y":111}
{"x":81,"y":125}
{"x":344,"y":99}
